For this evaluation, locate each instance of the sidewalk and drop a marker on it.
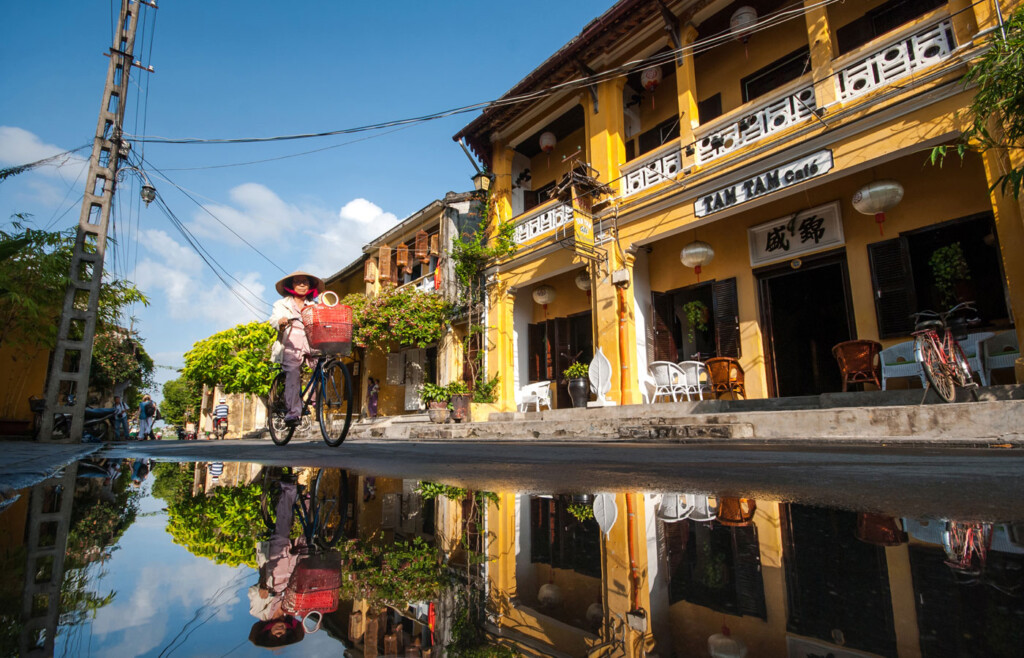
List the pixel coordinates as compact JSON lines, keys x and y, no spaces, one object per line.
{"x":864,"y":417}
{"x":25,"y":462}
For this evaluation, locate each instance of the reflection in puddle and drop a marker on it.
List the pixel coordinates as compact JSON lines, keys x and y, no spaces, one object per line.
{"x":129,"y":557}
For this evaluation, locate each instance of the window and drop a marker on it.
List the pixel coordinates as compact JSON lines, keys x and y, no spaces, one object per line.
{"x":561,"y":540}
{"x":880,"y":20}
{"x":670,"y":337}
{"x":776,"y":74}
{"x":534,"y":198}
{"x":903,"y":282}
{"x":709,"y":108}
{"x":658,"y":135}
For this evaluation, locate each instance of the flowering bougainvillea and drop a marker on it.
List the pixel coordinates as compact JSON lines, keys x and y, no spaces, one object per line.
{"x":398,"y":317}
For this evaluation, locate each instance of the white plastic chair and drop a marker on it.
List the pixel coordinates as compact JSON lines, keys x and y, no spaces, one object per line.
{"x":899,"y":361}
{"x":669,"y":379}
{"x":538,"y":393}
{"x":647,"y":387}
{"x":972,"y":350}
{"x":696,"y":378}
{"x":1000,"y":351}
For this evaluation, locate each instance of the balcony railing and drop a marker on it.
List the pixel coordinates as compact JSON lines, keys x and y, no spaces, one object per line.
{"x":757,"y":124}
{"x":425,"y":283}
{"x":546,"y":219}
{"x":897,"y":60}
{"x":665,"y":163}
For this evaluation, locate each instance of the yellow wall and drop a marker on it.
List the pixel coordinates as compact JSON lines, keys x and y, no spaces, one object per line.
{"x":24,"y":375}
{"x":548,"y":167}
{"x":569,"y":300}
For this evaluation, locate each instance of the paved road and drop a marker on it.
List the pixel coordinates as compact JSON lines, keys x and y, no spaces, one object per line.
{"x":23,"y":463}
{"x":901,"y":481}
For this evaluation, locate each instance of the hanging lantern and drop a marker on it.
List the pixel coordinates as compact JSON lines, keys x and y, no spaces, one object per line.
{"x":742,"y":22}
{"x":550,"y":595}
{"x":697,"y":254}
{"x":582,"y":282}
{"x":544,"y":295}
{"x":548,"y":141}
{"x":651,"y":78}
{"x":877,"y":197}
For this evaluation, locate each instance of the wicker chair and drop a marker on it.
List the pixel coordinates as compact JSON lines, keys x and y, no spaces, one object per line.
{"x":726,"y":376}
{"x":859,"y":362}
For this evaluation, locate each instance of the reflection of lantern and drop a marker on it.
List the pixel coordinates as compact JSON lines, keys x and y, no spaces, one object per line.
{"x":875,"y":198}
{"x":724,"y":645}
{"x":549,"y":595}
{"x":548,"y":141}
{"x":582,"y":282}
{"x":697,"y":254}
{"x":741,"y":23}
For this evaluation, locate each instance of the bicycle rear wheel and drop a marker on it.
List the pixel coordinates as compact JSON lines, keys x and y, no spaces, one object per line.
{"x":334,"y":407}
{"x":277,"y":409}
{"x":961,"y":369}
{"x":934,"y":369}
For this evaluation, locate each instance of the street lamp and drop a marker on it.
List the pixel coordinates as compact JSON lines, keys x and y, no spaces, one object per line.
{"x":482,"y":180}
{"x":148,"y":193}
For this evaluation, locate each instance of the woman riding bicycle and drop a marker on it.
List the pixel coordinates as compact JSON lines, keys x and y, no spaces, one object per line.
{"x":291,"y":349}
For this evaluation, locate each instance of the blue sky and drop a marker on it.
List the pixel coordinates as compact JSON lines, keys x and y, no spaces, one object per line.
{"x":259,"y":69}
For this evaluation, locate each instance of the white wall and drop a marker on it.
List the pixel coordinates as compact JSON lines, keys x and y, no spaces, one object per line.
{"x":642,"y":311}
{"x":521,"y":313}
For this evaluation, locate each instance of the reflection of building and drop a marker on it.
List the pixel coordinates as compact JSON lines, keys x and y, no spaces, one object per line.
{"x":785,"y":579}
{"x":756,"y":150}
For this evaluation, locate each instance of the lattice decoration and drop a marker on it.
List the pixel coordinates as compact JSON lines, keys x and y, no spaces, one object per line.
{"x":384,"y":263}
{"x":402,"y":255}
{"x":422,"y":246}
{"x":762,"y":122}
{"x":370,"y":271}
{"x":435,"y":245}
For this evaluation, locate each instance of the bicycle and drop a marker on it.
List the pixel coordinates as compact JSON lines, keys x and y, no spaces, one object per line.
{"x":966,"y":544}
{"x":333,"y":405}
{"x":314,"y":508}
{"x":939,"y":353}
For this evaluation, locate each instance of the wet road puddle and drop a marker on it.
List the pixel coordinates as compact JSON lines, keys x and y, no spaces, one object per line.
{"x":134,"y":557}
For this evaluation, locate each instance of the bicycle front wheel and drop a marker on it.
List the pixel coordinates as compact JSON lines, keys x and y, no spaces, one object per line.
{"x":334,"y":407}
{"x":277,"y":409}
{"x":934,"y":368}
{"x":328,"y":508}
{"x":961,"y":369}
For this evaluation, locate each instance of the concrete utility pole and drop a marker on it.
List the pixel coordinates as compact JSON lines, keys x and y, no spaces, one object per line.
{"x":69,"y":369}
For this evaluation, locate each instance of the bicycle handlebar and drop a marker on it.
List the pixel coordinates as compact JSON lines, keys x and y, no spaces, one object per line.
{"x":962,"y":306}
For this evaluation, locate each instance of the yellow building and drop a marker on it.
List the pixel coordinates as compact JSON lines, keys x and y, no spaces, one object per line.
{"x":752,"y":130}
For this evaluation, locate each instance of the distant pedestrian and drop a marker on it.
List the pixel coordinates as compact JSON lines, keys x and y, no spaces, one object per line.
{"x":147,"y":416}
{"x":216,"y":470}
{"x":292,"y":348}
{"x":372,"y":393}
{"x":120,"y":419}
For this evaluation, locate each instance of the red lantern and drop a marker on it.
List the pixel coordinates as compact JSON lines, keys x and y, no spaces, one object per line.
{"x":650,"y":79}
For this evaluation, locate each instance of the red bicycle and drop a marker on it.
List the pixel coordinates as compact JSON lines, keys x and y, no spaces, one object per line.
{"x":938,"y":351}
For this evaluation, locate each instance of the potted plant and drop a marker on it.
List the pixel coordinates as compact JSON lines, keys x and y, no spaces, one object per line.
{"x":696,"y":318}
{"x":949,"y":272}
{"x":460,"y":397}
{"x":582,"y":511}
{"x":436,"y":398}
{"x":579,"y":388}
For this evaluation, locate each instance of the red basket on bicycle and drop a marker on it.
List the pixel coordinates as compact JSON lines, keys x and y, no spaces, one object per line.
{"x":329,"y":328}
{"x":313,"y":586}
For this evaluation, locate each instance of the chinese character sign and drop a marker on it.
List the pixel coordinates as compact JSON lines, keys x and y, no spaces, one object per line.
{"x":787,"y":237}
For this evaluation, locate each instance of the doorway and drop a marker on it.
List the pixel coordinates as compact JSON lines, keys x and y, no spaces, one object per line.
{"x":805,"y":312}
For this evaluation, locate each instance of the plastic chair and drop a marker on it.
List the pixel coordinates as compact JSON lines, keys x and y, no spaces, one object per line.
{"x":972,"y":350}
{"x":538,"y":393}
{"x":697,"y":379}
{"x":858,"y":361}
{"x":899,"y":361}
{"x":1000,"y":351}
{"x":647,"y":387}
{"x":668,"y":379}
{"x":726,"y":375}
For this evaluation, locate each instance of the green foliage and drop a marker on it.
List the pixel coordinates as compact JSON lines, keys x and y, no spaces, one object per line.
{"x":223,"y":526}
{"x":182,"y":399}
{"x":392,"y":574}
{"x":457,"y":387}
{"x":696,"y":312}
{"x":486,"y":390}
{"x":433,"y":490}
{"x":582,"y":511}
{"x":577,"y":370}
{"x":117,"y":357}
{"x":434,"y":393}
{"x":237,"y":359}
{"x":996,"y":114}
{"x":172,"y":481}
{"x":397,"y":316}
{"x":949,"y":266}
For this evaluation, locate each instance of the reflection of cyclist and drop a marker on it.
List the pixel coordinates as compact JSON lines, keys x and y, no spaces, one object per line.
{"x":292,"y":348}
{"x":277,"y":559}
{"x":220,"y":415}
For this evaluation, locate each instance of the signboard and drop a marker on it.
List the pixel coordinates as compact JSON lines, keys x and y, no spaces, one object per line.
{"x":787,"y":175}
{"x":583,"y":225}
{"x":784,"y":238}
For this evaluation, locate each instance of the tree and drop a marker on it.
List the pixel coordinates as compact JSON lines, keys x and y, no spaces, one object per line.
{"x":996,"y":115}
{"x":237,"y":359}
{"x":223,"y":526}
{"x":182,"y":399}
{"x":118,"y":357}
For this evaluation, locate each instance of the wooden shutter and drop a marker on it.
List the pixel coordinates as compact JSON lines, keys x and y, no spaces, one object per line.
{"x":893,"y":285}
{"x":727,"y":318}
{"x":749,"y":580}
{"x":664,"y":341}
{"x":536,"y":350}
{"x":384,"y":263}
{"x":422,"y":248}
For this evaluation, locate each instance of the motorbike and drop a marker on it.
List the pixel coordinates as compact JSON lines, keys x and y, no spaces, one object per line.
{"x":99,"y":421}
{"x":220,"y":428}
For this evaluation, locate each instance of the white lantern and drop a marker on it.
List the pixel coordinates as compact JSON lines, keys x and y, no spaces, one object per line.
{"x":697,"y":254}
{"x":549,"y":595}
{"x":582,"y":281}
{"x":544,"y":295}
{"x":651,"y":78}
{"x":595,"y":614}
{"x":877,"y":197}
{"x":548,"y":141}
{"x":742,"y":21}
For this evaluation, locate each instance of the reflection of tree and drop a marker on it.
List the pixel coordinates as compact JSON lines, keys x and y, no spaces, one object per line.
{"x":172,"y":481}
{"x":223,"y":526}
{"x":392,"y":574}
{"x":12,"y":576}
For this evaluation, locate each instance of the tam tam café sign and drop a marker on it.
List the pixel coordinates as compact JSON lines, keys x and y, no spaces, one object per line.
{"x":787,"y":175}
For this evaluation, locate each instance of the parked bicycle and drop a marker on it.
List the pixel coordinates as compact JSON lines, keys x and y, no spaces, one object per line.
{"x":328,"y":393}
{"x":938,"y":351}
{"x":321,"y":508}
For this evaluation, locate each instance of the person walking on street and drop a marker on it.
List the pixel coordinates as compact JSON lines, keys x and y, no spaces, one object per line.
{"x":120,"y":419}
{"x":147,"y":416}
{"x":220,"y":415}
{"x":292,"y":348}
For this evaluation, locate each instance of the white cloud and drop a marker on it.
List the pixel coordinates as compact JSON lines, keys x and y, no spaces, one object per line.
{"x":258,"y":214}
{"x":19,"y":146}
{"x":337,"y":244}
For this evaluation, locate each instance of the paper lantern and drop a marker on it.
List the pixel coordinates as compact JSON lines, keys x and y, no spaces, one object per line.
{"x":422,"y":241}
{"x":384,"y":263}
{"x":402,"y":255}
{"x":370,"y":271}
{"x":548,"y":141}
{"x":651,"y":78}
{"x":877,"y":197}
{"x":544,"y":295}
{"x":582,"y":281}
{"x":742,"y":22}
{"x":697,"y":254}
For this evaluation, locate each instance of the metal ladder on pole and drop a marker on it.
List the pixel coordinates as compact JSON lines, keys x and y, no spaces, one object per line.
{"x":68,"y":381}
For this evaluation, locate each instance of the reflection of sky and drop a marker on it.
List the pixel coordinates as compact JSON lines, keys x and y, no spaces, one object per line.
{"x":170,"y":602}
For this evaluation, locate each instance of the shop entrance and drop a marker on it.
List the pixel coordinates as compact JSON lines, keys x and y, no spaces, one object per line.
{"x":805,"y":312}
